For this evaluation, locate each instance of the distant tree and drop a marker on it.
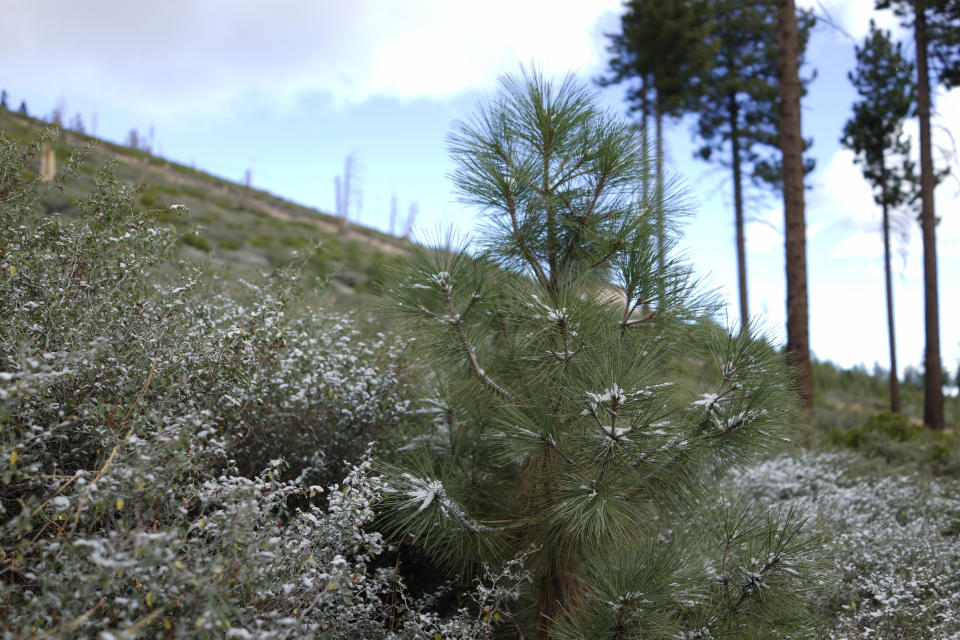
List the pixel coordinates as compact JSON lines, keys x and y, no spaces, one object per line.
{"x":23,"y":108}
{"x":3,"y":99}
{"x":943,"y":38}
{"x":938,"y":43}
{"x":412,"y":212}
{"x":884,"y":80}
{"x":346,"y":192}
{"x":59,"y":109}
{"x":663,"y":49}
{"x":76,"y":123}
{"x":913,"y":376}
{"x":795,"y":230}
{"x":133,"y":139}
{"x":738,"y":112}
{"x":393,"y":214}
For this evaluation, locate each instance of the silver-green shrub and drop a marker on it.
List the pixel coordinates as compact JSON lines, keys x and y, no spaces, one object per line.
{"x":164,"y":454}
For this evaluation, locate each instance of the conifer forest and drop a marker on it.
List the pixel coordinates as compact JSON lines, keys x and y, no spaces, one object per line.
{"x":227,"y":415}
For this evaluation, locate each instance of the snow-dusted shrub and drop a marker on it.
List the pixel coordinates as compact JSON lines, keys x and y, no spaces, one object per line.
{"x":163,"y":454}
{"x":893,"y":539}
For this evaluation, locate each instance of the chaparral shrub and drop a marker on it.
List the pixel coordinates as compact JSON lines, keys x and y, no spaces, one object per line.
{"x":164,"y":453}
{"x":565,"y":415}
{"x":890,"y":537}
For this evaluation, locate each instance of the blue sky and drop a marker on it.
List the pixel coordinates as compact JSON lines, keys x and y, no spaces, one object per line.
{"x":289,"y":88}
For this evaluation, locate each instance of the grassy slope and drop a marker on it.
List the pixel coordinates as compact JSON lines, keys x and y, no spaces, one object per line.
{"x":247,"y":231}
{"x":237,"y":230}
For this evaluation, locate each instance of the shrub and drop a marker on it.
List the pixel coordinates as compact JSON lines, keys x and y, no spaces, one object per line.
{"x":893,"y":425}
{"x":164,"y":454}
{"x":196,"y":241}
{"x":890,"y":537}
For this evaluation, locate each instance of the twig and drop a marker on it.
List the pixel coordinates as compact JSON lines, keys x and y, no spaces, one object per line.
{"x":457,"y":322}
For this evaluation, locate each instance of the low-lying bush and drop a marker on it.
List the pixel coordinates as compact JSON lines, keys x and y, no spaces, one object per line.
{"x":899,"y":440}
{"x":892,"y":539}
{"x":164,"y":454}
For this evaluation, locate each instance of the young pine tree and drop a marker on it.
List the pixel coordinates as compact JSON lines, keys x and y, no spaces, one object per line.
{"x":884,"y":80}
{"x":566,"y":413}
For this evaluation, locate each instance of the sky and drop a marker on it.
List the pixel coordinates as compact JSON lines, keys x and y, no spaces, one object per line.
{"x":287,"y":89}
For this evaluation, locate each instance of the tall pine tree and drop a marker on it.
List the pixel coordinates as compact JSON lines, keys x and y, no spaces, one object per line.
{"x":560,"y":419}
{"x":738,"y":112}
{"x":884,"y":80}
{"x":662,"y":50}
{"x":940,"y":38}
{"x":794,"y":221}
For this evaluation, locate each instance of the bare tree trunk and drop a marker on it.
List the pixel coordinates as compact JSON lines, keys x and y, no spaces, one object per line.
{"x":661,"y":246}
{"x":791,"y":145}
{"x":347,"y":194}
{"x":338,"y":196}
{"x":393,"y":215}
{"x":738,"y":212}
{"x":933,"y":372}
{"x":894,"y":381}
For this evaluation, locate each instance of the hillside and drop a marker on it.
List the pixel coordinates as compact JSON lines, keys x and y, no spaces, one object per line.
{"x":147,"y":388}
{"x":239,"y":230}
{"x":244,"y":232}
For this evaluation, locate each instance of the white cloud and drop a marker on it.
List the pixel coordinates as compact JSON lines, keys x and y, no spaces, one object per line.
{"x":858,"y":245}
{"x":842,"y":200}
{"x":852,"y":16}
{"x":194,"y":56}
{"x":765,"y":231}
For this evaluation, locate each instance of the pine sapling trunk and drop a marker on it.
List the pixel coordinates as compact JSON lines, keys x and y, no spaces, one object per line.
{"x":894,"y":381}
{"x":738,"y":212}
{"x":791,"y":144}
{"x":557,"y":593}
{"x":933,"y":372}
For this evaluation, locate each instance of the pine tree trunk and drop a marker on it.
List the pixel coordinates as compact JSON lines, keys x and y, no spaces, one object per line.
{"x":658,"y":117}
{"x":738,"y":212}
{"x":557,"y":589}
{"x":557,"y":586}
{"x":894,"y":381}
{"x":791,"y":145}
{"x":645,"y":110}
{"x":933,"y":372}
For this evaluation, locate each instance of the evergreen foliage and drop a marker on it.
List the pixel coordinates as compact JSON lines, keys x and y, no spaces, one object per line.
{"x":943,"y":27}
{"x":718,"y":59}
{"x":942,"y":32}
{"x":741,"y":90}
{"x":884,"y":81}
{"x":561,"y":422}
{"x":662,"y":51}
{"x":663,"y":48}
{"x":936,"y":55}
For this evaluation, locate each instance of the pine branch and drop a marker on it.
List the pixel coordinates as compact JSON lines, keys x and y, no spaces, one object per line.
{"x":456,"y":320}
